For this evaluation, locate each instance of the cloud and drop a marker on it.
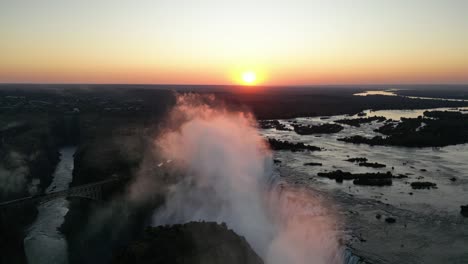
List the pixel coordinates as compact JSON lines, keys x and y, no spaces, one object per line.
{"x":226,"y":175}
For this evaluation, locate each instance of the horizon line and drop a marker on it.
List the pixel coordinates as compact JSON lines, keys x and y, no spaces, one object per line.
{"x":240,"y":85}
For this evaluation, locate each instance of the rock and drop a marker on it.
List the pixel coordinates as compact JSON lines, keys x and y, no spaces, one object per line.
{"x":423,"y":185}
{"x":464,"y":210}
{"x":357,"y":160}
{"x":312,"y":164}
{"x":453,"y":179}
{"x":372,"y":165}
{"x":390,"y":220}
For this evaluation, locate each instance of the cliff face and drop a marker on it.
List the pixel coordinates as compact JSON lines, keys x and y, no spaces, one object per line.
{"x":28,"y":157}
{"x":191,"y":243}
{"x":28,"y":152}
{"x":100,"y":157}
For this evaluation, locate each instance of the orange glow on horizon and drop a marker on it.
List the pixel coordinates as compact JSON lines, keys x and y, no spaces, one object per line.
{"x":282,"y":44}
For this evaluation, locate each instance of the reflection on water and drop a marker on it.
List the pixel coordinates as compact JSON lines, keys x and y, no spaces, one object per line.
{"x":399,"y":114}
{"x":366,"y":93}
{"x":391,"y":92}
{"x":44,"y":243}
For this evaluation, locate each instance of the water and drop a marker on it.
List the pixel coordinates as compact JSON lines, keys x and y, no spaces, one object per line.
{"x":386,"y":93}
{"x":44,"y":243}
{"x":441,"y":164}
{"x":426,"y":219}
{"x":414,"y":113}
{"x":391,"y":92}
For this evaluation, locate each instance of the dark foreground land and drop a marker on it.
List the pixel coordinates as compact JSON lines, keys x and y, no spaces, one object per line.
{"x":194,"y":243}
{"x":112,"y":127}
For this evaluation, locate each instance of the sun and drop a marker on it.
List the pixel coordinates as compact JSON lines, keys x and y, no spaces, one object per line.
{"x":249,"y":77}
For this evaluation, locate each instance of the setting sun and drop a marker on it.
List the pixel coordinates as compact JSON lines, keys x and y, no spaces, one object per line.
{"x":249,"y":77}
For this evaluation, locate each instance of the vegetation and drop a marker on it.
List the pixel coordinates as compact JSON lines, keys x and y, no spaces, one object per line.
{"x":268,"y":124}
{"x":285,"y":145}
{"x":435,"y":129}
{"x":374,"y":179}
{"x":356,"y":122}
{"x":423,"y":185}
{"x":320,"y":129}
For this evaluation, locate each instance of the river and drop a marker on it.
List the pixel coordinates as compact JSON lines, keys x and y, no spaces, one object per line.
{"x":392,"y":92}
{"x":44,"y":243}
{"x":429,"y":227}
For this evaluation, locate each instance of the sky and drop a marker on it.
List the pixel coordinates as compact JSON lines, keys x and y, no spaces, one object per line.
{"x":290,"y":42}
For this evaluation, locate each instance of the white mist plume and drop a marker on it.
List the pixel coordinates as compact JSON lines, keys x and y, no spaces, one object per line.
{"x":227,"y":174}
{"x":13,"y":173}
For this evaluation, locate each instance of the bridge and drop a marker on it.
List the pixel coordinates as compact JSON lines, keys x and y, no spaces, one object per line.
{"x":93,"y":191}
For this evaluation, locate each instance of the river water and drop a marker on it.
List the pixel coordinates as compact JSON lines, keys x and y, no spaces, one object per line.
{"x":392,"y":92}
{"x":44,"y":243}
{"x":429,"y":227}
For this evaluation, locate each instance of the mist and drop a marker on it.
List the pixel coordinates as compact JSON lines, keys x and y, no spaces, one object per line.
{"x":228,"y":176}
{"x":13,"y":173}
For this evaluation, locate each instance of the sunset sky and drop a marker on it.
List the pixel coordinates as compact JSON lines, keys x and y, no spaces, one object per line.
{"x":294,"y":42}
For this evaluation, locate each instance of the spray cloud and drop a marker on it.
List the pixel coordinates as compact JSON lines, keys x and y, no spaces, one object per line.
{"x":228,"y":176}
{"x":13,"y":173}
